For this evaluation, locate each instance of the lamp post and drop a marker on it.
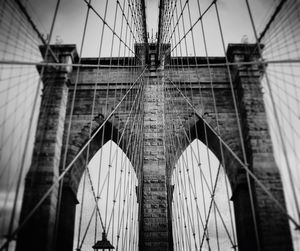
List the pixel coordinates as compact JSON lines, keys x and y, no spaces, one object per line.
{"x":103,"y":244}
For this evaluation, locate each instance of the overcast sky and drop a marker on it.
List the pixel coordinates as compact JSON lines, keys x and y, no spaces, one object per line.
{"x":71,"y":16}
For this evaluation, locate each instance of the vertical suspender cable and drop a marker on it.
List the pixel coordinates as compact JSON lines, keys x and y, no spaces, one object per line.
{"x":29,"y":130}
{"x":275,"y":115}
{"x":240,"y":131}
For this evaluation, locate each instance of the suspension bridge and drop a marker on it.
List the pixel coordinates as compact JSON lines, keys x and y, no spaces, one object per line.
{"x":152,"y":128}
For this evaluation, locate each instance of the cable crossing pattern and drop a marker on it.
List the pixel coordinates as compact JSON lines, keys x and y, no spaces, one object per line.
{"x":187,"y":141}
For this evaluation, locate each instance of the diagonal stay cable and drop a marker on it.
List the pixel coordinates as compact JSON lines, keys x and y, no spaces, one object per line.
{"x":206,"y":183}
{"x":192,"y":27}
{"x":24,"y":11}
{"x":278,"y":8}
{"x":134,"y":18}
{"x":264,"y":188}
{"x":15,"y":232}
{"x":87,"y":229}
{"x":211,"y":204}
{"x":109,"y":27}
{"x":287,"y":161}
{"x":126,"y":20}
{"x":24,"y":154}
{"x":178,"y":19}
{"x":89,"y":175}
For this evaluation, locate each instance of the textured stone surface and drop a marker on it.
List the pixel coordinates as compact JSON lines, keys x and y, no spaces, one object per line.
{"x":195,"y":83}
{"x":38,"y":233}
{"x":154,"y":233}
{"x":274,"y":231}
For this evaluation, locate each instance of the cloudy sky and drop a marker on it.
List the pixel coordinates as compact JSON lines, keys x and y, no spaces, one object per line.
{"x":71,"y":15}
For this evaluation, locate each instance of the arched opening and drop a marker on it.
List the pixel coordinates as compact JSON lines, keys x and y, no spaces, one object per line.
{"x":111,"y":181}
{"x":202,"y":212}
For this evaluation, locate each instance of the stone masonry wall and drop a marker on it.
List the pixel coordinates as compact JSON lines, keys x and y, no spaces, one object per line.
{"x":274,"y":230}
{"x":155,"y":235}
{"x":196,"y":85}
{"x":38,"y":233}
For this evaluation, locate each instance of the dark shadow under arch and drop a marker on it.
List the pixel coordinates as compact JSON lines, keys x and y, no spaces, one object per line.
{"x":202,"y":130}
{"x":65,"y":233}
{"x":106,"y":133}
{"x":187,"y":169}
{"x":236,"y":175}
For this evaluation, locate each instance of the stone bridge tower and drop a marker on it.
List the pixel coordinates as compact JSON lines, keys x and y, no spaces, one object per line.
{"x":41,"y":232}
